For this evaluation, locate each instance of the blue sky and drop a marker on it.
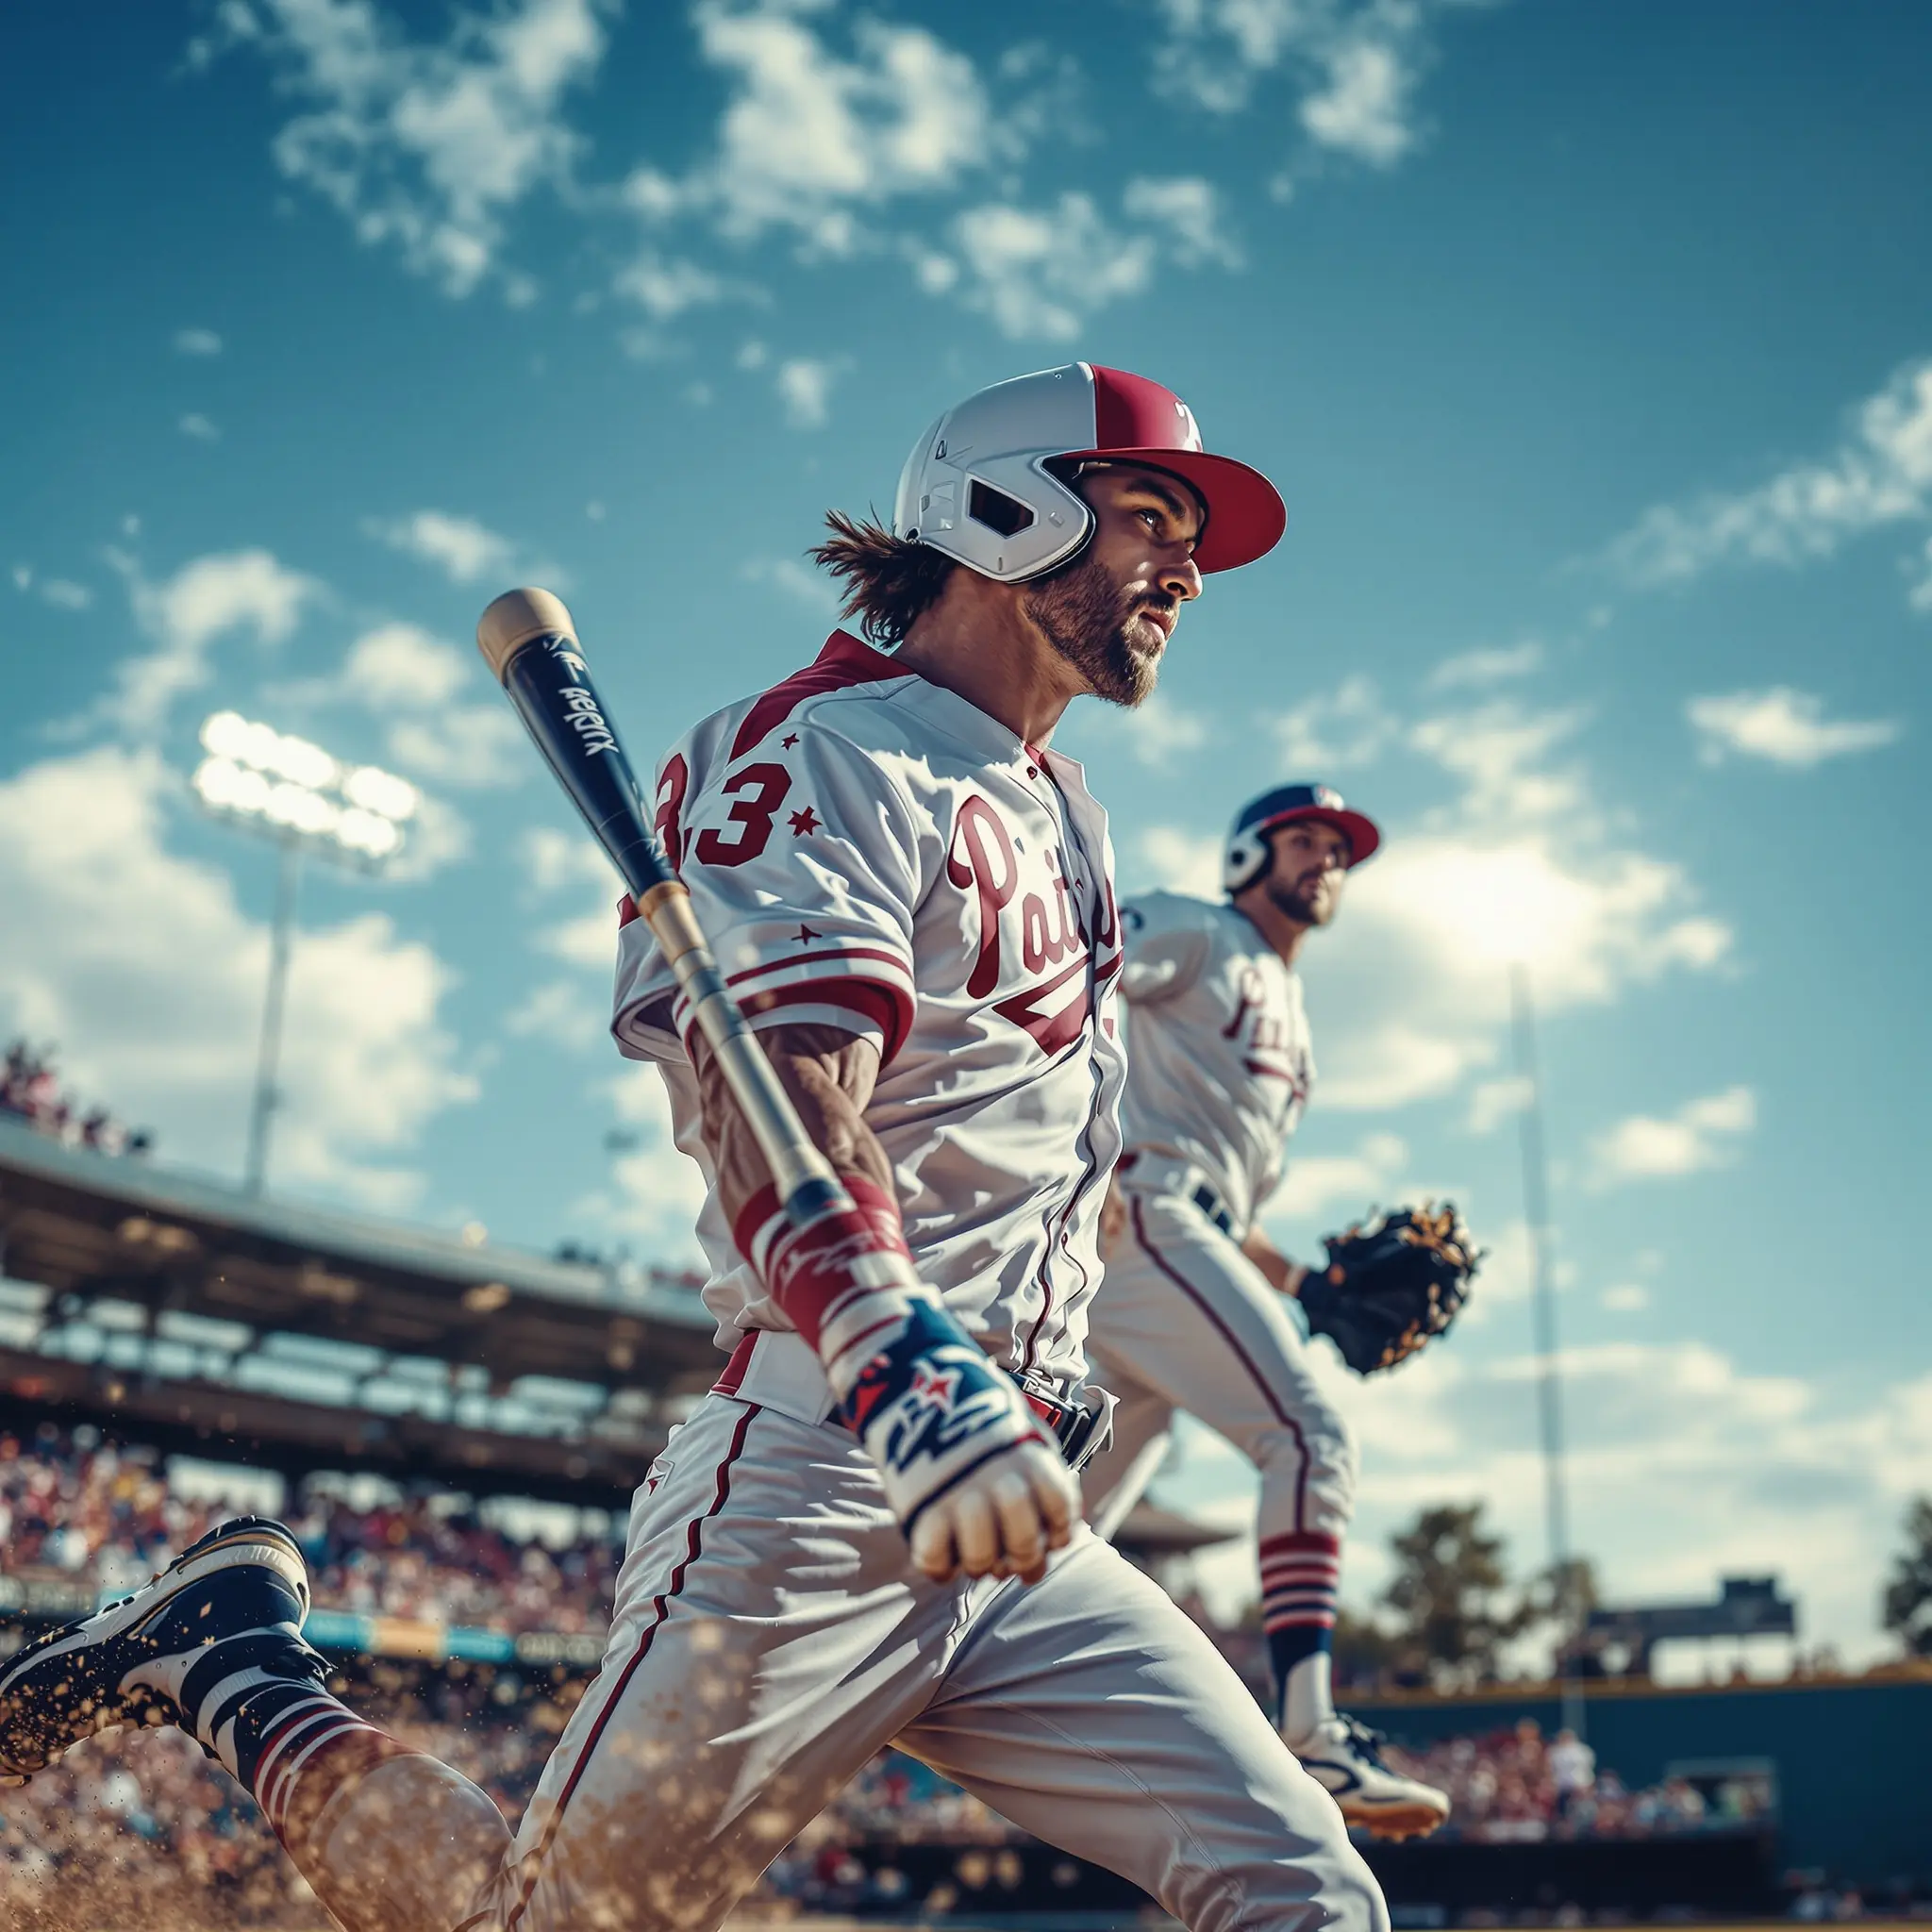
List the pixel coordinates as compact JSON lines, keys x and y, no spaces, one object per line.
{"x":1591,"y":347}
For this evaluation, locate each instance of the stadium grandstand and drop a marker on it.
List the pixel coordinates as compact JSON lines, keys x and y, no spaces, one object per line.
{"x":453,"y":1429}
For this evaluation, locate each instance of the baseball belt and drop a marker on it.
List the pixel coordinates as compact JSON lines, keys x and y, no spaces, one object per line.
{"x":1209,"y":1203}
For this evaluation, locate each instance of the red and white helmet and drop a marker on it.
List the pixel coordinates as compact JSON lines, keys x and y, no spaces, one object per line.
{"x":978,"y":489}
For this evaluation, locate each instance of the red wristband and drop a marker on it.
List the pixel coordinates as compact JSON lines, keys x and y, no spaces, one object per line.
{"x":808,"y":1269}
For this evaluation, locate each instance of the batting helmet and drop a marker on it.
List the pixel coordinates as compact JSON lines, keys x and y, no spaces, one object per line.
{"x":1246,"y":855}
{"x":978,"y":487}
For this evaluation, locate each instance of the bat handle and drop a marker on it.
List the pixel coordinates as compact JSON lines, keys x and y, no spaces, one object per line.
{"x":803,"y":1176}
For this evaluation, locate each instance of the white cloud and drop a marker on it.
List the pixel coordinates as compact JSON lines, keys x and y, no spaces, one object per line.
{"x":464,"y":548}
{"x":198,"y":428}
{"x":797,"y":579}
{"x":1784,"y":725}
{"x":1701,"y":1134}
{"x":1625,"y":1298}
{"x":1185,"y":212}
{"x":411,"y":680}
{"x":197,"y":341}
{"x":61,"y":593}
{"x":1042,"y":272}
{"x":1320,"y":1186}
{"x":1879,"y":475}
{"x":473,"y":746}
{"x":366,"y":1064}
{"x":1157,"y":731}
{"x":1363,"y":108}
{"x":1487,"y":666}
{"x":232,"y":590}
{"x":1351,"y":726}
{"x":657,"y":1191}
{"x":1350,"y":66}
{"x":1175,"y":862}
{"x":560,"y":863}
{"x":403,"y":664}
{"x":665,"y":286}
{"x":1492,"y":1102}
{"x":427,"y":147}
{"x":809,"y":137}
{"x":560,"y":1012}
{"x":1410,"y":988}
{"x":805,"y":388}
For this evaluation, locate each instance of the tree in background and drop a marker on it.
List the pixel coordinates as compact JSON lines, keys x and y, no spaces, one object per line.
{"x":1447,"y":1596}
{"x":1559,"y":1598}
{"x":1909,"y":1595}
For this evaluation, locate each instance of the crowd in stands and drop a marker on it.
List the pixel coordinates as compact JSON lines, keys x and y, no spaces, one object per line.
{"x":1516,"y":1786}
{"x":30,"y":1091}
{"x":74,"y":1507}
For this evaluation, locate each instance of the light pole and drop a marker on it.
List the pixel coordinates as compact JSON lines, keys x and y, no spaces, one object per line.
{"x":1535,"y":1214}
{"x":292,"y":791}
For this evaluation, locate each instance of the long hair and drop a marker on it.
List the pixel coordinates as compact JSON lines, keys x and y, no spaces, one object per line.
{"x":887,"y":581}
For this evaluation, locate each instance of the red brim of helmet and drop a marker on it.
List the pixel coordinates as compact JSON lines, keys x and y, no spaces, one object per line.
{"x":1245,"y":513}
{"x":1360,"y":832}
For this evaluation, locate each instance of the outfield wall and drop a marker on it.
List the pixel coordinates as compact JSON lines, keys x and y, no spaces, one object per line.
{"x":1850,"y":1755}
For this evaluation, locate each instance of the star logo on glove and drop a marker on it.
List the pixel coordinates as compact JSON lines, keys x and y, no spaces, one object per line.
{"x":933,"y":1387}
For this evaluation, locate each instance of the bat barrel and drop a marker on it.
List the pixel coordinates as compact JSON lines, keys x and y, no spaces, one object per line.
{"x":528,"y":640}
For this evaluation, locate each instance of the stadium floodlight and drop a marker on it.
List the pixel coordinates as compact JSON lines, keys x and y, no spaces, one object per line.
{"x":292,"y":788}
{"x":285,"y":789}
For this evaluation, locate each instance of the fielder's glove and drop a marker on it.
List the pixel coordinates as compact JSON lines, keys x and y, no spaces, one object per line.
{"x":1390,"y":1289}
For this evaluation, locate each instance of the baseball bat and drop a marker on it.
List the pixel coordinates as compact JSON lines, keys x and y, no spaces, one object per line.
{"x":528,"y":640}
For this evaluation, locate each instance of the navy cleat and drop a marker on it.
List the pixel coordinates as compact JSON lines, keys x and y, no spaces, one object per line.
{"x":127,"y":1664}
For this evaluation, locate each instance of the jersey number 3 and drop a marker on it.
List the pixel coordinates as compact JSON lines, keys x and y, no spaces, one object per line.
{"x":764,"y":788}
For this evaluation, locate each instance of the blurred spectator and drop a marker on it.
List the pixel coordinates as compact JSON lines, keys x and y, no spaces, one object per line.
{"x":30,"y":1090}
{"x":1572,"y":1769}
{"x":1510,"y":1786}
{"x":78,"y":1510}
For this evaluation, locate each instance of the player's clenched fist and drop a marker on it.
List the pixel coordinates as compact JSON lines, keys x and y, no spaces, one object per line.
{"x":966,"y":1467}
{"x":1001,"y":1521}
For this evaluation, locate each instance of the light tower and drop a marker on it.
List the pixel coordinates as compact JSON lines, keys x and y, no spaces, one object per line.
{"x":288,"y":790}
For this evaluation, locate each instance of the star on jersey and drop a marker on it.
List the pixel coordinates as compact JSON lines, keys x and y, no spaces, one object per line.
{"x":805,"y":823}
{"x":785,"y":742}
{"x":805,"y":935}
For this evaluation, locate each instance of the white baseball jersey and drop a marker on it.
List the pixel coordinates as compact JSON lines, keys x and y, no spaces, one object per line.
{"x":866,"y":849}
{"x":1222,"y":1063}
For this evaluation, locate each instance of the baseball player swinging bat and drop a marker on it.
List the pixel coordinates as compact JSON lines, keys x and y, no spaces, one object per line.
{"x":528,"y":640}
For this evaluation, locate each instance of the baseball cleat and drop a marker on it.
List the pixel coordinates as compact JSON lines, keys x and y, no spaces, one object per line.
{"x":1344,"y":1758}
{"x":125,"y":1664}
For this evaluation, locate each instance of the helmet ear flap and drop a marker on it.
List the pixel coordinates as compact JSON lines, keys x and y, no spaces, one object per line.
{"x":1246,"y":859}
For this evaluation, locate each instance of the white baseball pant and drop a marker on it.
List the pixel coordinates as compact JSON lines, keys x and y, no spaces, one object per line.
{"x":769,"y":1636}
{"x":1185,"y":1321}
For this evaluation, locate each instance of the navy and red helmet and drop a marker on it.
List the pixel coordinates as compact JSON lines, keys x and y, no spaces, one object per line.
{"x":1245,"y":857}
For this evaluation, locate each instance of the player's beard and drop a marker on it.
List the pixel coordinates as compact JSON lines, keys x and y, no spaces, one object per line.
{"x":1307,"y":902}
{"x":1088,"y":618}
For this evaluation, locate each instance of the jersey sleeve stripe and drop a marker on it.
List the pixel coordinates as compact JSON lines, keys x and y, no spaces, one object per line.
{"x":834,"y":957}
{"x":884,"y":1010}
